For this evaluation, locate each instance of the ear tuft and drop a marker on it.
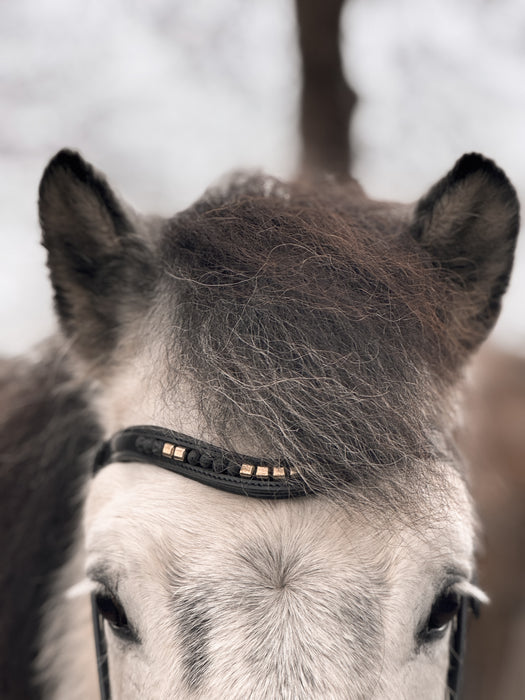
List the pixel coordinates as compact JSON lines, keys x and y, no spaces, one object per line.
{"x":73,"y":195}
{"x":471,"y":178}
{"x":471,"y":163}
{"x":69,"y":161}
{"x":468,"y":223}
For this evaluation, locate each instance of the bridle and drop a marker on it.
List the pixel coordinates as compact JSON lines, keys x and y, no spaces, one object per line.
{"x":235,"y":473}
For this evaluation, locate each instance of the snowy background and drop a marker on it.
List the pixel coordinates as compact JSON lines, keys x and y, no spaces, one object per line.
{"x":166,"y":95}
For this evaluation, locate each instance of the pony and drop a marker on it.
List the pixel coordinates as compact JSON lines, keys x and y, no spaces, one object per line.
{"x":305,"y":324}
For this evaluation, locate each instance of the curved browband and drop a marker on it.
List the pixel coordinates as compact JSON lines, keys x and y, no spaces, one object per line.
{"x":202,"y":462}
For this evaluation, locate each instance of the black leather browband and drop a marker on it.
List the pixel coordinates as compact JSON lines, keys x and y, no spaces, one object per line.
{"x":202,"y":462}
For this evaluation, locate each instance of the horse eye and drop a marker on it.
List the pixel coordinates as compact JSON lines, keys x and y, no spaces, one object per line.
{"x":444,"y":610}
{"x":113,"y":612}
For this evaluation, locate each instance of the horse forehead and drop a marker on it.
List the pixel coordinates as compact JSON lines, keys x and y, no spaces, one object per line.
{"x":167,"y":508}
{"x":295,"y":594}
{"x":135,"y":505}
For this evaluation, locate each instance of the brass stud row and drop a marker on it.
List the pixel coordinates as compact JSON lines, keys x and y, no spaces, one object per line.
{"x":174,"y":451}
{"x":260,"y":472}
{"x":178,"y":453}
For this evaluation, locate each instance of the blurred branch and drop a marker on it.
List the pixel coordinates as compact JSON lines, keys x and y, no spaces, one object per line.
{"x":327,"y":101}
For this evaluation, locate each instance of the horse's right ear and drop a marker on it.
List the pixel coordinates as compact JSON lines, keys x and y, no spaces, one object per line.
{"x":95,"y":257}
{"x":468,"y":224}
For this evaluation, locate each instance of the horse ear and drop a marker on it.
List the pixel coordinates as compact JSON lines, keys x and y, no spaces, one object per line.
{"x":468,"y":223}
{"x":93,"y":252}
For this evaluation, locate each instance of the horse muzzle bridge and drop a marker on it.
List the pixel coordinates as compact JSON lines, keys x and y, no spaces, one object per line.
{"x":234,"y":473}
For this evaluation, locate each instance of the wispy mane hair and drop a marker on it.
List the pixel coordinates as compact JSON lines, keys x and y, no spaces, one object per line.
{"x":308,"y":323}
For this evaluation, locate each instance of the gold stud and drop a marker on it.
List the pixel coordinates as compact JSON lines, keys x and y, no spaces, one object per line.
{"x":279,"y":473}
{"x":247,"y":470}
{"x":262,"y":472}
{"x":179,"y":453}
{"x":167,"y":449}
{"x":293,"y":471}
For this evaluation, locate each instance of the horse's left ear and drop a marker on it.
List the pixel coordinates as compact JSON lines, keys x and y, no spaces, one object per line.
{"x":468,"y":223}
{"x":99,"y":265}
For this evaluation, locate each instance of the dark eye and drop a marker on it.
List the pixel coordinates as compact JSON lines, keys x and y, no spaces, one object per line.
{"x":444,"y":610}
{"x":113,"y":612}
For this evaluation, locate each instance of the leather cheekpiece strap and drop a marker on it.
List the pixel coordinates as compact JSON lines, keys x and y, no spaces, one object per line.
{"x":457,"y":650}
{"x":101,"y":651}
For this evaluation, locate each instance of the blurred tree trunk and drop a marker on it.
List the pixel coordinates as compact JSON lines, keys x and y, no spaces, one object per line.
{"x":327,"y":102}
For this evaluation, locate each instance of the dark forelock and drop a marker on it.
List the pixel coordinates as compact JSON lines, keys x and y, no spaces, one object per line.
{"x":308,"y":322}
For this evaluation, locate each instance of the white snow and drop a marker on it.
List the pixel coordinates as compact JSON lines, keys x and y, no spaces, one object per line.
{"x":167,"y":95}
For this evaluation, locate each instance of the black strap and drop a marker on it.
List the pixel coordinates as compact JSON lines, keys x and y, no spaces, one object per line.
{"x":457,"y":650}
{"x":202,"y":462}
{"x":101,"y":650}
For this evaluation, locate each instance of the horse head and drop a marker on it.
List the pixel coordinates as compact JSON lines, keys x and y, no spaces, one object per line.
{"x":324,"y":334}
